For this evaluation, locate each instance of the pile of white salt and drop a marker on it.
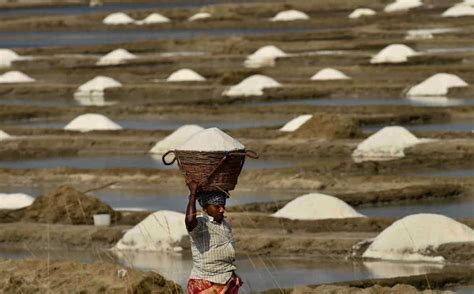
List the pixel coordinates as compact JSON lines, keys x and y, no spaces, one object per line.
{"x":251,"y":86}
{"x":175,"y":139}
{"x":212,"y":139}
{"x":92,"y":122}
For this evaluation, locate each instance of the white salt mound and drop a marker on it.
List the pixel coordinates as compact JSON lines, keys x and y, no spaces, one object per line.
{"x":175,"y":139}
{"x":117,"y":56}
{"x":359,"y":12}
{"x":412,"y":237}
{"x":264,"y":56}
{"x":395,"y":53}
{"x":153,"y":18}
{"x":185,"y":75}
{"x":4,"y":136}
{"x":459,"y":10}
{"x":15,"y":77}
{"x":91,"y":122}
{"x":388,"y":143}
{"x":160,"y":231}
{"x":118,"y":18}
{"x":199,"y":15}
{"x":401,"y":5}
{"x":296,"y":123}
{"x":99,"y":83}
{"x":327,"y":74}
{"x":316,"y":206}
{"x":15,"y":200}
{"x":252,"y":86}
{"x":212,"y":139}
{"x":437,"y":85}
{"x":7,"y":56}
{"x":289,"y":15}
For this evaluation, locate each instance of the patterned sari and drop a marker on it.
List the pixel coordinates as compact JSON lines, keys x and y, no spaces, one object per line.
{"x":205,"y":287}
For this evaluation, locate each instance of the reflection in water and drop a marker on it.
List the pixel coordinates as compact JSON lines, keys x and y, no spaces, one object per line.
{"x":384,"y":269}
{"x":91,"y":98}
{"x":437,"y":101}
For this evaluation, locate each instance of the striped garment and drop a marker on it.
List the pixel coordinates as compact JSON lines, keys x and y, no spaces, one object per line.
{"x":212,"y":246}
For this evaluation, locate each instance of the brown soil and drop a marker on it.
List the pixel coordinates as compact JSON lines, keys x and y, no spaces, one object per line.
{"x":328,"y":127}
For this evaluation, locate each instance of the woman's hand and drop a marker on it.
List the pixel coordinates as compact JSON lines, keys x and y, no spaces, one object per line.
{"x":193,"y":187}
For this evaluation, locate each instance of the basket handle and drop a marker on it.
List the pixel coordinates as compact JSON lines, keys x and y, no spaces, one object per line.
{"x":163,"y":158}
{"x":251,"y":154}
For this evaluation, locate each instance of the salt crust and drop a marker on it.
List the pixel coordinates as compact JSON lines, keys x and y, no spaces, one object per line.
{"x":199,"y":15}
{"x":458,"y":10}
{"x":252,"y":86}
{"x":264,"y":56}
{"x":15,"y":77}
{"x":160,"y":231}
{"x":212,"y":139}
{"x":117,"y":56}
{"x":401,"y":5}
{"x":411,"y":237}
{"x":175,"y":139}
{"x":394,"y":53}
{"x":437,"y":85}
{"x":4,"y":136}
{"x":153,"y":18}
{"x":316,"y":206}
{"x":118,"y":18}
{"x":90,"y":122}
{"x":388,"y":143}
{"x":296,"y":123}
{"x":359,"y":12}
{"x":329,"y":74}
{"x":15,"y":200}
{"x":289,"y":15}
{"x":185,"y":75}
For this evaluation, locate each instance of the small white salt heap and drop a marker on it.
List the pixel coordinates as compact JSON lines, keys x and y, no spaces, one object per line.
{"x":328,"y":74}
{"x":401,"y":5}
{"x":4,"y":136}
{"x":15,"y":200}
{"x":96,"y":86}
{"x":118,"y":18}
{"x":153,"y":18}
{"x":427,"y":33}
{"x":175,"y":139}
{"x":91,"y":122}
{"x":316,"y":206}
{"x":117,"y":56}
{"x":414,"y":237}
{"x":160,"y":231}
{"x":212,"y":139}
{"x":12,"y":77}
{"x":185,"y":75}
{"x":7,"y":56}
{"x":264,"y":56}
{"x":359,"y":12}
{"x":252,"y":86}
{"x":437,"y":85}
{"x":296,"y":123}
{"x":289,"y":15}
{"x":458,"y":10}
{"x":199,"y":16}
{"x":395,"y":53}
{"x":386,"y":144}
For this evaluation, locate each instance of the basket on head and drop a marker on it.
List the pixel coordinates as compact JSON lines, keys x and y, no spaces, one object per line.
{"x":213,"y":170}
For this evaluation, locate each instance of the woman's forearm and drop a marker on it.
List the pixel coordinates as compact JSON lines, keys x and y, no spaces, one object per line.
{"x":191,"y":221}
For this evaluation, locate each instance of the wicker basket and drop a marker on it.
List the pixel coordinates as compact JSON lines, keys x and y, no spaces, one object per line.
{"x":217,"y":170}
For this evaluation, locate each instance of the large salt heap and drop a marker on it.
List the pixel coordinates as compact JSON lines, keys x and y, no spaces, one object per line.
{"x":185,"y":75}
{"x":458,"y":10}
{"x":437,"y":85}
{"x":175,"y":139}
{"x":264,"y":56}
{"x":212,"y":139}
{"x":91,"y":122}
{"x":414,"y":237}
{"x":199,"y":16}
{"x":4,"y":136}
{"x":296,"y":123}
{"x":160,"y":231}
{"x":118,"y":18}
{"x":252,"y":86}
{"x":402,"y":5}
{"x":7,"y":56}
{"x":96,"y":86}
{"x":12,"y":77}
{"x":316,"y":206}
{"x":153,"y":19}
{"x":15,"y":200}
{"x":289,"y":15}
{"x":388,"y":143}
{"x":327,"y":74}
{"x":395,"y":53}
{"x":117,"y":56}
{"x":360,"y":12}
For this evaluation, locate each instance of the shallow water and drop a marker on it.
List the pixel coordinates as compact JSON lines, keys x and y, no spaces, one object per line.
{"x":452,"y":126}
{"x":38,"y":102}
{"x":466,"y":172}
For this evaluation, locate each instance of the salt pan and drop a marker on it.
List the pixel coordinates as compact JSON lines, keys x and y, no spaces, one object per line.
{"x":200,"y":15}
{"x":15,"y":200}
{"x":296,"y":123}
{"x":185,"y":75}
{"x":91,"y":122}
{"x":395,"y":53}
{"x":212,"y":139}
{"x":160,"y":231}
{"x":4,"y":136}
{"x":316,"y":206}
{"x":401,"y":5}
{"x":264,"y":56}
{"x":153,"y":18}
{"x":289,"y":15}
{"x":15,"y":77}
{"x":359,"y":12}
{"x":459,"y":10}
{"x":252,"y":86}
{"x":175,"y":139}
{"x":118,"y":56}
{"x":437,"y":85}
{"x":412,"y":238}
{"x":118,"y":18}
{"x":329,"y":74}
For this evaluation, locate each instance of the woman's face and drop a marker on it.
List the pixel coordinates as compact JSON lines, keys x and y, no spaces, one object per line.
{"x":216,"y":211}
